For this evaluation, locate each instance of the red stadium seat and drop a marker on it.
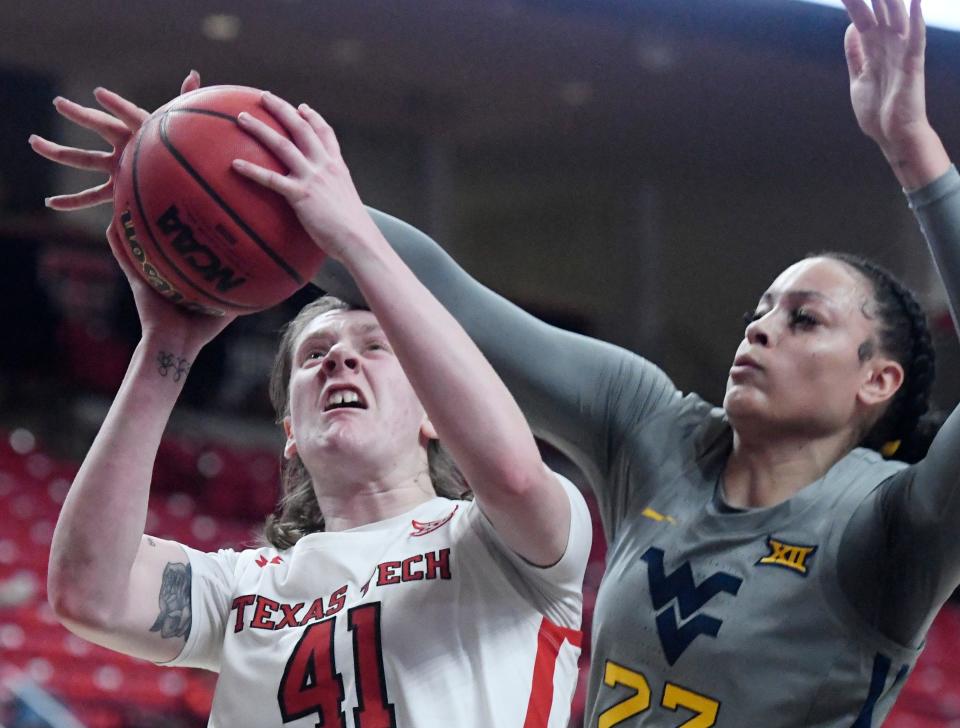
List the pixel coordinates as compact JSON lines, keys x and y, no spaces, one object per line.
{"x":931,"y":696}
{"x":104,"y":688}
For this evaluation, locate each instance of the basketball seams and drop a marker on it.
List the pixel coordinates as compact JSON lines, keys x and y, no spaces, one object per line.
{"x":186,"y":159}
{"x":205,"y":112}
{"x":215,"y":197}
{"x":159,"y":248}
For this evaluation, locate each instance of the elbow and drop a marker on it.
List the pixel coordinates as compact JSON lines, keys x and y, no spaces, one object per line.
{"x":61,"y":588}
{"x":72,"y":604}
{"x":63,"y":598}
{"x":514,"y":480}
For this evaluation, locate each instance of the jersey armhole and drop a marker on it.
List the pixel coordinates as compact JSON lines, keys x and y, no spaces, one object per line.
{"x":567,"y":572}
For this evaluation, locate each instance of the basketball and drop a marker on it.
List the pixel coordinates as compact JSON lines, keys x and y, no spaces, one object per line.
{"x":201,"y":234}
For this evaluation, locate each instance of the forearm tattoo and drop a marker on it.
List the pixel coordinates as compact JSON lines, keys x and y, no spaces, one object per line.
{"x":170,"y":362}
{"x":175,"y":616}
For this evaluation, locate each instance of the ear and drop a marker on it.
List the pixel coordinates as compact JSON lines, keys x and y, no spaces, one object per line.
{"x":290,"y":448}
{"x":884,"y":378}
{"x":427,"y":430}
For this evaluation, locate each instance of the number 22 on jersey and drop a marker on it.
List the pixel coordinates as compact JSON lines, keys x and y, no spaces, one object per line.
{"x":674,"y":697}
{"x":311,"y":683}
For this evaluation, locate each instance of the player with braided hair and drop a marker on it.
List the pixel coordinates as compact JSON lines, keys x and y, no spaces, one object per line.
{"x":903,"y":333}
{"x":767,"y":566}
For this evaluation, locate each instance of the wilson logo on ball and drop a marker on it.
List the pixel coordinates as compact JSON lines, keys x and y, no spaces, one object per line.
{"x":150,"y":273}
{"x":199,"y":256}
{"x":207,"y":237}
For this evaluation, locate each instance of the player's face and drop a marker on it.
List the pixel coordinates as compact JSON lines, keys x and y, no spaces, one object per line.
{"x":798,"y":368}
{"x":349,"y":397}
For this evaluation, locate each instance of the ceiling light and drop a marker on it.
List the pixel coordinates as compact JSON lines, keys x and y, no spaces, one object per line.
{"x":576,"y":93}
{"x":221,"y":27}
{"x":655,"y":56}
{"x":347,"y":51}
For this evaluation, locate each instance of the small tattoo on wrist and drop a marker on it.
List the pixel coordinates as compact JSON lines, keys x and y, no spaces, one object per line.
{"x":171,"y":363}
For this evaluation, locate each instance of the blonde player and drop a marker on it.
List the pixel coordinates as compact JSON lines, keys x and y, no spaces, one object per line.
{"x":386,"y":598}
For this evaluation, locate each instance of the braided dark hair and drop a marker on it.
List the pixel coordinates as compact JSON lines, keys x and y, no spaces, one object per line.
{"x":904,"y":335}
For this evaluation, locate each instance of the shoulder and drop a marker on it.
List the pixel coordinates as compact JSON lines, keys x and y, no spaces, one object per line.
{"x":868,"y":466}
{"x":860,"y":476}
{"x":688,"y":425}
{"x":227,"y":562}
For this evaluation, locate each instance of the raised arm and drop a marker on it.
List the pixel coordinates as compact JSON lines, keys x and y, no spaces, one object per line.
{"x":885,"y":49}
{"x":471,"y":409}
{"x":913,"y":518}
{"x":900,"y":557}
{"x":107,"y":581}
{"x":921,"y":510}
{"x":579,"y":394}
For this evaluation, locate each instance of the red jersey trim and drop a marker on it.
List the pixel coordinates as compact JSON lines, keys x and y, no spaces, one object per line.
{"x":422,"y":528}
{"x":550,"y":639}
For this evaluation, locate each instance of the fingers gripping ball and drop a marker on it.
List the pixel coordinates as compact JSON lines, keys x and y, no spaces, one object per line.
{"x":200,"y":233}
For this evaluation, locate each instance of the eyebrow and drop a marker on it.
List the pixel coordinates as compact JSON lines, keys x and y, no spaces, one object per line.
{"x":324,"y":336}
{"x":802,"y":295}
{"x":314,"y":337}
{"x":370,"y":328}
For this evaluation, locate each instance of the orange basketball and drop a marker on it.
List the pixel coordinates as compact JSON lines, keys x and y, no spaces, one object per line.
{"x":200,"y":233}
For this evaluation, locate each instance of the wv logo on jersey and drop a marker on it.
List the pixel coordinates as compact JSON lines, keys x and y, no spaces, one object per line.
{"x":678,"y":586}
{"x":788,"y":556}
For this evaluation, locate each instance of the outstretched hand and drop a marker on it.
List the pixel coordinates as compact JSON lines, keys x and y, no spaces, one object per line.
{"x":885,"y":49}
{"x":116,"y":128}
{"x":885,"y":55}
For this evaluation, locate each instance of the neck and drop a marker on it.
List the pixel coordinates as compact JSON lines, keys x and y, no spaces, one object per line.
{"x":762,"y":472}
{"x":348,"y":502}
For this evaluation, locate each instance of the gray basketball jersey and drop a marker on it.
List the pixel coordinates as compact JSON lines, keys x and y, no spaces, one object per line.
{"x":708,"y":617}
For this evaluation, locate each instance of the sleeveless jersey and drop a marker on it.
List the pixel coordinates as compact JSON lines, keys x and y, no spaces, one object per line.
{"x":425,"y":619}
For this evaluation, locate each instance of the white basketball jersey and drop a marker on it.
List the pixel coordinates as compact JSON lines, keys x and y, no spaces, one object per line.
{"x":427,"y":619}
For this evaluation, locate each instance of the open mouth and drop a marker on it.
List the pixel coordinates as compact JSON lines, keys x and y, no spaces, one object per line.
{"x":344,"y":398}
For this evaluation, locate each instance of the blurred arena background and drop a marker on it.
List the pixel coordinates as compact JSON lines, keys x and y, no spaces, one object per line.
{"x":637,"y":170}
